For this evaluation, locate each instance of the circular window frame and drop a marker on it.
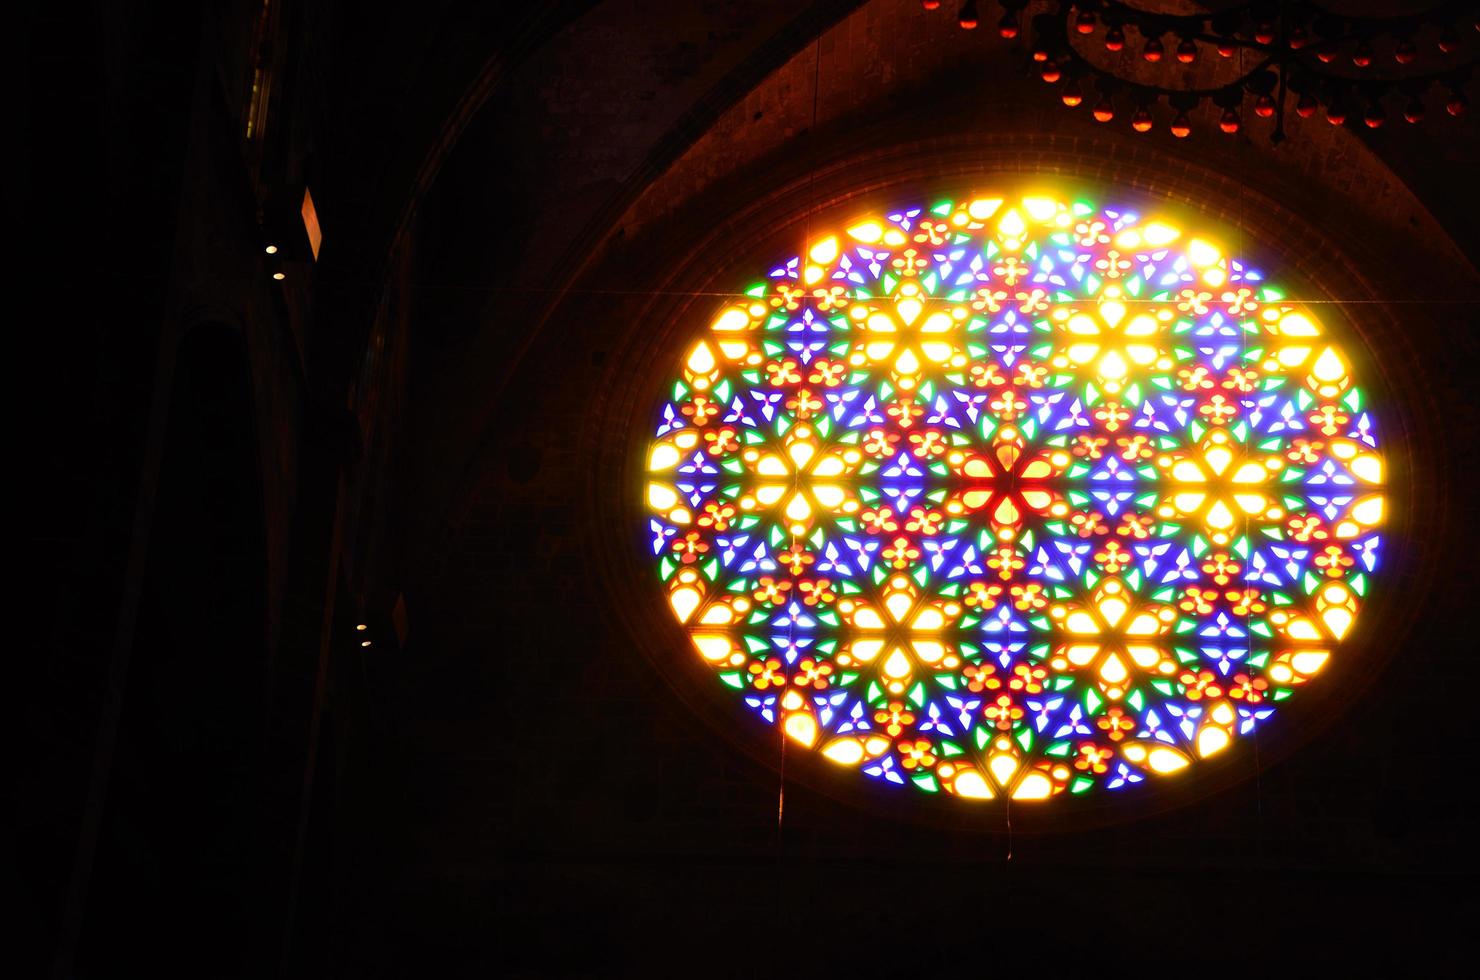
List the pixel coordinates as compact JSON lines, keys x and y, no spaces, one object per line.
{"x":679,"y":304}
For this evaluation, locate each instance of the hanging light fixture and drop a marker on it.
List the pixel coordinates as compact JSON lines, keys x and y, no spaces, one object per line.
{"x":1298,"y":50}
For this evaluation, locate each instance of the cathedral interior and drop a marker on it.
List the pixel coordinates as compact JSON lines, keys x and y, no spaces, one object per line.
{"x":349,"y":663}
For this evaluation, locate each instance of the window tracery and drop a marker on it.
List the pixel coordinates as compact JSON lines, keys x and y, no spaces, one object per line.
{"x":1015,"y":496}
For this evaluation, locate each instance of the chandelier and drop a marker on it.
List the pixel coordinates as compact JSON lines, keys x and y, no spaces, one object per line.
{"x":1281,"y":56}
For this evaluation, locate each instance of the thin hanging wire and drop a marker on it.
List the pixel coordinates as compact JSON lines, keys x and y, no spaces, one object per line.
{"x":796,"y":476}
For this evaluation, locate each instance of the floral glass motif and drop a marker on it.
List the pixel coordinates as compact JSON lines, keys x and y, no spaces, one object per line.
{"x":1015,"y":496}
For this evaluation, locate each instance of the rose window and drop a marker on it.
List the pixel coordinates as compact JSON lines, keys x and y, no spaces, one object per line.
{"x":1015,"y":497}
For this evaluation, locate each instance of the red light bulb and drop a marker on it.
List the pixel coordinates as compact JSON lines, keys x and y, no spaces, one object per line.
{"x":930,"y":4}
{"x":1405,"y":52}
{"x":1335,"y":115}
{"x":1264,"y":106}
{"x":1104,"y":111}
{"x":1226,"y":48}
{"x":1114,"y":39}
{"x":1073,"y":95}
{"x":1229,"y":121}
{"x":1181,"y":126}
{"x":968,"y":18}
{"x":1414,"y":111}
{"x":1050,"y":73}
{"x":1141,"y":121}
{"x":1187,"y":51}
{"x":1374,"y":116}
{"x":1085,"y":23}
{"x":1153,"y":50}
{"x":1007,"y":27}
{"x":1306,"y":106}
{"x":1362,"y":56}
{"x":1457,"y":105}
{"x":1264,"y":32}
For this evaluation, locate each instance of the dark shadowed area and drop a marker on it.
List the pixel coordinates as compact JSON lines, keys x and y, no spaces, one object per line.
{"x":346,"y":661}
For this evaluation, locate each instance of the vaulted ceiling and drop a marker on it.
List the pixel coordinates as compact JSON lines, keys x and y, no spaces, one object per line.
{"x":559,"y":183}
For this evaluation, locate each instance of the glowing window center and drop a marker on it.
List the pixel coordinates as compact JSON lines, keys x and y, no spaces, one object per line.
{"x":1015,"y":497}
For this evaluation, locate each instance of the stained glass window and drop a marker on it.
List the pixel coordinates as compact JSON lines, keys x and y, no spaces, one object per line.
{"x":1015,"y":497}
